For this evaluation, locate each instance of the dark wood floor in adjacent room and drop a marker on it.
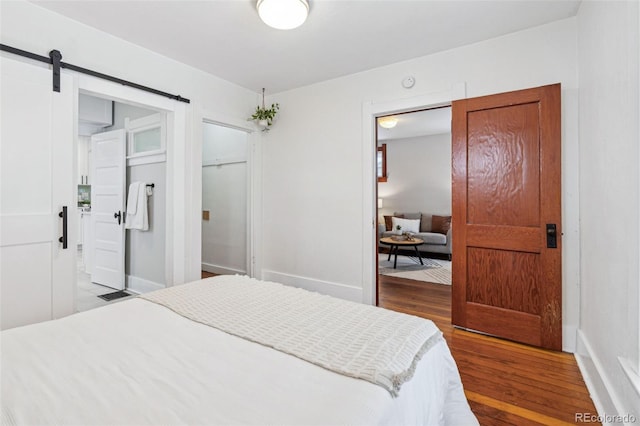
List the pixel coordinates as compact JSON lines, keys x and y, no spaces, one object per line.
{"x":506,"y":383}
{"x":206,"y":274}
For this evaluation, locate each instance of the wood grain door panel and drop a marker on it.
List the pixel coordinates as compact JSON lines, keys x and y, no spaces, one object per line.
{"x":506,"y":188}
{"x":502,"y":170}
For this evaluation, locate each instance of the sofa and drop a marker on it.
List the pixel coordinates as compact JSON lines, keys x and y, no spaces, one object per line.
{"x":434,"y":230}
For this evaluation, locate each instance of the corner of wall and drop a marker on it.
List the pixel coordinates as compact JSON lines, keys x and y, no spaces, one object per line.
{"x":569,"y":338}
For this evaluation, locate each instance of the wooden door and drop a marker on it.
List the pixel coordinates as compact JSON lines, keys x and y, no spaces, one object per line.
{"x":507,"y":280}
{"x":36,"y":183}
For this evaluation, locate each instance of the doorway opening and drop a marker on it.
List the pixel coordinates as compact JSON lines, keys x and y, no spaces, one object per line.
{"x":413,"y":157}
{"x":506,"y":198}
{"x":122,"y":208}
{"x":225,"y":200}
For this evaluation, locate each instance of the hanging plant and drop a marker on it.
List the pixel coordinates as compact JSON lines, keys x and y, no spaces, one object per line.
{"x":264,"y":116}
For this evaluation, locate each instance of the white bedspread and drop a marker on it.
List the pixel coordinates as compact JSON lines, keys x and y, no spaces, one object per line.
{"x":361,"y":341}
{"x":138,"y":363}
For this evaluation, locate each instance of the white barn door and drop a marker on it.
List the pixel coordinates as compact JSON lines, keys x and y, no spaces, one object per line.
{"x":108,"y":171}
{"x":37,"y":276}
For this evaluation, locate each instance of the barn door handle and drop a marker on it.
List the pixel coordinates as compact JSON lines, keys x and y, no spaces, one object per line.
{"x":552,"y":235}
{"x":118,"y":216}
{"x":64,"y":239}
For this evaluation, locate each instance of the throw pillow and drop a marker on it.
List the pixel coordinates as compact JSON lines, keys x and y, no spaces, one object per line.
{"x":406,"y":225}
{"x":425,"y":223}
{"x":440,"y":224}
{"x":387,"y":222}
{"x":408,"y":215}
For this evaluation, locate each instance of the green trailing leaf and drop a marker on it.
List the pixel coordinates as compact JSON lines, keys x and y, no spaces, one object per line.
{"x":268,"y":114}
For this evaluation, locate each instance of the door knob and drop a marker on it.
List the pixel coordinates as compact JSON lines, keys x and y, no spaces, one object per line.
{"x":118,"y":216}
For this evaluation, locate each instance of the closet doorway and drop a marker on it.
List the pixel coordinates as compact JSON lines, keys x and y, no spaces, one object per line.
{"x":225,"y":205}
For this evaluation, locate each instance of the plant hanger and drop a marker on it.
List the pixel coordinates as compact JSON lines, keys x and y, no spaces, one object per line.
{"x":263,"y":115}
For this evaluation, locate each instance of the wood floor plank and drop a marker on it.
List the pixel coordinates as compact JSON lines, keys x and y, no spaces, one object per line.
{"x":506,"y":383}
{"x":550,"y":404}
{"x":496,"y":417}
{"x":545,"y":379}
{"x":206,"y":274}
{"x":515,"y":410}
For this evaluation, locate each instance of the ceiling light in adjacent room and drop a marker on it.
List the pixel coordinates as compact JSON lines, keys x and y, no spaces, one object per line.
{"x":283,"y":14}
{"x":388,"y":122}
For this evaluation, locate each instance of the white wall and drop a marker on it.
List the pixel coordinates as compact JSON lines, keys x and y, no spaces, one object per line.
{"x":314,"y":167}
{"x":145,"y":250}
{"x":609,"y":47}
{"x":29,"y":27}
{"x":224,"y":196}
{"x":419,"y":175}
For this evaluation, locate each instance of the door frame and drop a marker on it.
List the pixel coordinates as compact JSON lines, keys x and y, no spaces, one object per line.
{"x":371,"y":110}
{"x":254,"y":205}
{"x":179,"y":191}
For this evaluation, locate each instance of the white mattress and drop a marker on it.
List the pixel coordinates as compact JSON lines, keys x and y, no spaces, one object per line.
{"x":138,"y":363}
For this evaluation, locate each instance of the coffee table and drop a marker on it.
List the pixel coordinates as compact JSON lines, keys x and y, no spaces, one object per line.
{"x":397,"y":243}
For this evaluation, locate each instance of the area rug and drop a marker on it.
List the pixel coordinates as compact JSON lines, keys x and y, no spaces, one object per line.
{"x":434,"y":270}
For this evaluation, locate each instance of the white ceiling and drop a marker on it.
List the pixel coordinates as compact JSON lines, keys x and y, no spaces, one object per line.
{"x":420,"y":123}
{"x":226,"y":37}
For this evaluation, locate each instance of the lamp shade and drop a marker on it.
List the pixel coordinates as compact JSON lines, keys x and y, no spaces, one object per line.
{"x":283,"y":14}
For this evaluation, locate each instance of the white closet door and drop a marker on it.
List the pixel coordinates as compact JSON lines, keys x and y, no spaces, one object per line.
{"x":108,"y":174}
{"x":36,"y":180}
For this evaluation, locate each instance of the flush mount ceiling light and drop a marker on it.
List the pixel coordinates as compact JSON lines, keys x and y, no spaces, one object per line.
{"x":283,"y":14}
{"x":388,"y":122}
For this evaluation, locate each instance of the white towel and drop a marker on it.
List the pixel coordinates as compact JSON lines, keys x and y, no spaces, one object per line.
{"x":137,"y":217}
{"x":132,"y":199}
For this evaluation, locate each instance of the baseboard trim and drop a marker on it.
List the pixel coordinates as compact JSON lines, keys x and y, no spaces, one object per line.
{"x":600,"y":388}
{"x":341,"y":291}
{"x":222,"y":270}
{"x":632,"y":375}
{"x":140,"y":285}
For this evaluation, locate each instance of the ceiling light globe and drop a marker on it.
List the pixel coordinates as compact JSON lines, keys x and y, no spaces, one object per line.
{"x":283,"y":14}
{"x":388,"y":122}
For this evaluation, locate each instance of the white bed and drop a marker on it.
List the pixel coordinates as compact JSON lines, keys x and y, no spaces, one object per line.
{"x":139,"y":363}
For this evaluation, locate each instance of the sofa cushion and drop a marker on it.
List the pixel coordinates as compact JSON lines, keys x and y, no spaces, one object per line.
{"x":387,"y":222}
{"x":406,"y":225}
{"x":440,"y":224}
{"x":432,"y":238}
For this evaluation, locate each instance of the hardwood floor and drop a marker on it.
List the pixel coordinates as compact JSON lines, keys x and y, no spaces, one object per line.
{"x":506,"y":383}
{"x":206,"y":274}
